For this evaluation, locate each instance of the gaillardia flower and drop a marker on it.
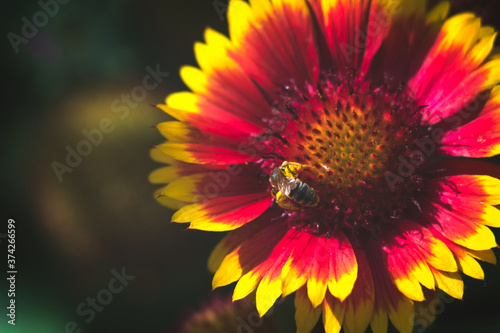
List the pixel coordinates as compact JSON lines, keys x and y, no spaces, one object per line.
{"x":339,"y":140}
{"x":220,"y":315}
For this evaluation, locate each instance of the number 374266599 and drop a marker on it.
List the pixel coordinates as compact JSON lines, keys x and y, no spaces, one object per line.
{"x":11,"y":248}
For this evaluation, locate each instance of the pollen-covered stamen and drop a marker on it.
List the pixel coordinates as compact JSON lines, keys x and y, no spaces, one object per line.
{"x":357,"y":144}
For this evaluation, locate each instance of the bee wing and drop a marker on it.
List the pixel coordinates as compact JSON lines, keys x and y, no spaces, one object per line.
{"x":286,"y":184}
{"x":281,"y":181}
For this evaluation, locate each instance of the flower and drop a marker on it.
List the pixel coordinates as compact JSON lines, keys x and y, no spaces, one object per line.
{"x":340,"y":142}
{"x":219,"y":314}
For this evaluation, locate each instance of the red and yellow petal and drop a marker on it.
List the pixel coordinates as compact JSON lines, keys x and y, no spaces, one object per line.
{"x":268,"y":291}
{"x":180,"y":105}
{"x":379,"y":322}
{"x":459,"y":229}
{"x":468,"y":265}
{"x":258,"y":267}
{"x":411,"y":256}
{"x":185,"y":188}
{"x":477,"y":188}
{"x":227,"y":97}
{"x":477,"y":138}
{"x":408,"y":270}
{"x":229,"y":271}
{"x":176,"y":168}
{"x":164,"y":175}
{"x":203,"y":184}
{"x":317,"y":281}
{"x":176,"y":131}
{"x":271,"y":286}
{"x":240,"y":17}
{"x":361,"y":302}
{"x":474,"y":210}
{"x":466,"y":258}
{"x":216,"y":117}
{"x":486,"y":256}
{"x":449,"y":282}
{"x":333,"y":314}
{"x":292,"y":278}
{"x":168,"y":202}
{"x":194,"y":78}
{"x":389,"y":302}
{"x":343,"y":268}
{"x":458,"y":56}
{"x":432,"y":250}
{"x":204,"y":154}
{"x":306,"y":316}
{"x":439,"y":12}
{"x":459,"y":208}
{"x":328,"y":263}
{"x":171,"y":173}
{"x":401,"y":314}
{"x":310,"y":255}
{"x":225,"y":83}
{"x":251,"y":256}
{"x":160,"y":157}
{"x":246,"y":284}
{"x":236,"y":237}
{"x":343,"y":24}
{"x":403,"y":26}
{"x":278,"y":42}
{"x":316,"y":290}
{"x":223,"y":213}
{"x":472,"y":197}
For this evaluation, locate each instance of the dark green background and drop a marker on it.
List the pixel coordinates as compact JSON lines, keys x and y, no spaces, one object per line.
{"x":70,"y":235}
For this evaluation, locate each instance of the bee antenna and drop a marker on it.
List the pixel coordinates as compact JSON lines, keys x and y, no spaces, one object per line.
{"x":291,"y":110}
{"x":281,"y":138}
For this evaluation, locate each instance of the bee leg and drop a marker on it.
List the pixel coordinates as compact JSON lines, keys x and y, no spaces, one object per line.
{"x":284,"y":202}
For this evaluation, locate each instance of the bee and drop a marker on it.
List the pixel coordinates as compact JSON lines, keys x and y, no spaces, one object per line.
{"x":290,"y":192}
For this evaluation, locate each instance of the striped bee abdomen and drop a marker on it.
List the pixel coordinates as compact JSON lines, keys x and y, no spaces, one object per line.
{"x":303,"y":194}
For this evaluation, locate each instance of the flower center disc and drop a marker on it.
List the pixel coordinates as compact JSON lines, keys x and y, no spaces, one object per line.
{"x":351,"y":139}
